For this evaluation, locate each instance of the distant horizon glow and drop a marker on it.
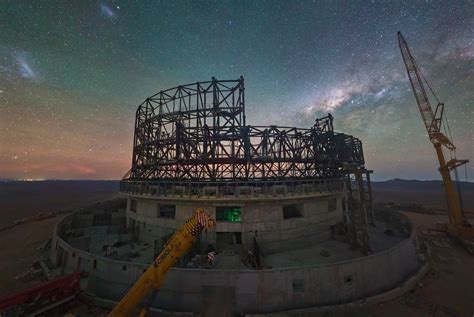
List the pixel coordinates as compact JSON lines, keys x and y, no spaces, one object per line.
{"x":73,"y":73}
{"x":117,"y":180}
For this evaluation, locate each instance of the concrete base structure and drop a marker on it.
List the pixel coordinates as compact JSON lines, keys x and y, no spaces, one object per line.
{"x":96,"y":241}
{"x":262,"y":218}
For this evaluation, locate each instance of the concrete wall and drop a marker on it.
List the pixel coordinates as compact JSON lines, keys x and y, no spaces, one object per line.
{"x":261,"y":218}
{"x":250,"y":291}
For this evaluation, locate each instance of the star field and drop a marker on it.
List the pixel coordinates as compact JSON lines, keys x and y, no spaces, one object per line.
{"x":73,"y":73}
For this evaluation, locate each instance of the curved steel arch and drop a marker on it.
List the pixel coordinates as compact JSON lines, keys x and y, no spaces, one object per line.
{"x":198,"y":132}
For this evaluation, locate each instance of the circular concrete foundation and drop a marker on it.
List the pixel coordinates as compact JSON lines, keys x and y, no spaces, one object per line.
{"x":102,"y":241}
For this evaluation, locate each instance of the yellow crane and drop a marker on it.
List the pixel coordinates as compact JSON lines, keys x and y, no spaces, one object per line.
{"x":433,"y":122}
{"x":154,"y":276}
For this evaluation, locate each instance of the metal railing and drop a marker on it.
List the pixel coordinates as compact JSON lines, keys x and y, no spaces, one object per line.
{"x":230,"y":189}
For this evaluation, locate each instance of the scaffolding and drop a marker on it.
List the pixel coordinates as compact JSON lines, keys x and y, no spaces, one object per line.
{"x":359,"y":211}
{"x":193,"y":141}
{"x":198,"y":132}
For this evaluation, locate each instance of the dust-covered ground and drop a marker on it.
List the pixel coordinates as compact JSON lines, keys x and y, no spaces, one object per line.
{"x":448,"y":287}
{"x":20,"y":199}
{"x":425,"y":193}
{"x":19,"y":249}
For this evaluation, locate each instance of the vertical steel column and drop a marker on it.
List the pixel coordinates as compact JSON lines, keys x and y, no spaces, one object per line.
{"x":357,"y":209}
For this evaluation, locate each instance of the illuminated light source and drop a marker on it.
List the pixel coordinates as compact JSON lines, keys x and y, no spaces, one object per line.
{"x":232,"y":214}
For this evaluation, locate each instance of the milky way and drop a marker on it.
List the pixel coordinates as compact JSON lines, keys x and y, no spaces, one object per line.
{"x":73,"y":73}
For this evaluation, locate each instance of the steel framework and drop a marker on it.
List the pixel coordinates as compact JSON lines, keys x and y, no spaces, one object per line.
{"x":198,"y":132}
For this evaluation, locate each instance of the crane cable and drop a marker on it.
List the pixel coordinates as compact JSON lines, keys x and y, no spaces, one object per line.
{"x":465,"y":171}
{"x":427,"y":84}
{"x":444,"y":123}
{"x":447,"y":131}
{"x":458,"y":187}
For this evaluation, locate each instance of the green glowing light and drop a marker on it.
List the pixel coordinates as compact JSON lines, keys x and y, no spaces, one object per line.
{"x":232,"y":214}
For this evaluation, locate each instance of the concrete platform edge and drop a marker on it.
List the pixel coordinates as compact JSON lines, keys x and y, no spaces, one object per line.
{"x":376,"y":299}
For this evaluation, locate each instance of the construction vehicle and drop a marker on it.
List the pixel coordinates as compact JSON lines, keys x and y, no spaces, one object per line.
{"x":151,"y":280}
{"x":41,"y":298}
{"x":459,"y":227}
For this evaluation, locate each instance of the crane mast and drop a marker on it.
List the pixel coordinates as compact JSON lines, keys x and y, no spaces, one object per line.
{"x":433,"y":122}
{"x":154,"y":276}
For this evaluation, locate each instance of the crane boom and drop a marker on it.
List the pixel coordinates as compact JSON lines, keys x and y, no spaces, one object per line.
{"x":417,"y":85}
{"x":433,"y":122}
{"x":154,"y":276}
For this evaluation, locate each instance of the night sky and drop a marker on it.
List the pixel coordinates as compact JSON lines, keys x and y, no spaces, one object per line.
{"x":73,"y":72}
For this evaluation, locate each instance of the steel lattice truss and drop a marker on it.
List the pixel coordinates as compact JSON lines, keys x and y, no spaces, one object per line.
{"x":198,"y":132}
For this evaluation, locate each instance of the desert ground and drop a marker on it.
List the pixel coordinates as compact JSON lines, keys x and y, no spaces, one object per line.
{"x":21,"y":199}
{"x":448,"y":287}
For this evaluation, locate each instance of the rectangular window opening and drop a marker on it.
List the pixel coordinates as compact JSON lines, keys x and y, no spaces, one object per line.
{"x":348,"y":279}
{"x":238,"y":238}
{"x":298,"y":286}
{"x":232,"y":214}
{"x":332,"y":204}
{"x":292,"y":211}
{"x":133,"y":205}
{"x":166,"y":211}
{"x":226,"y":241}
